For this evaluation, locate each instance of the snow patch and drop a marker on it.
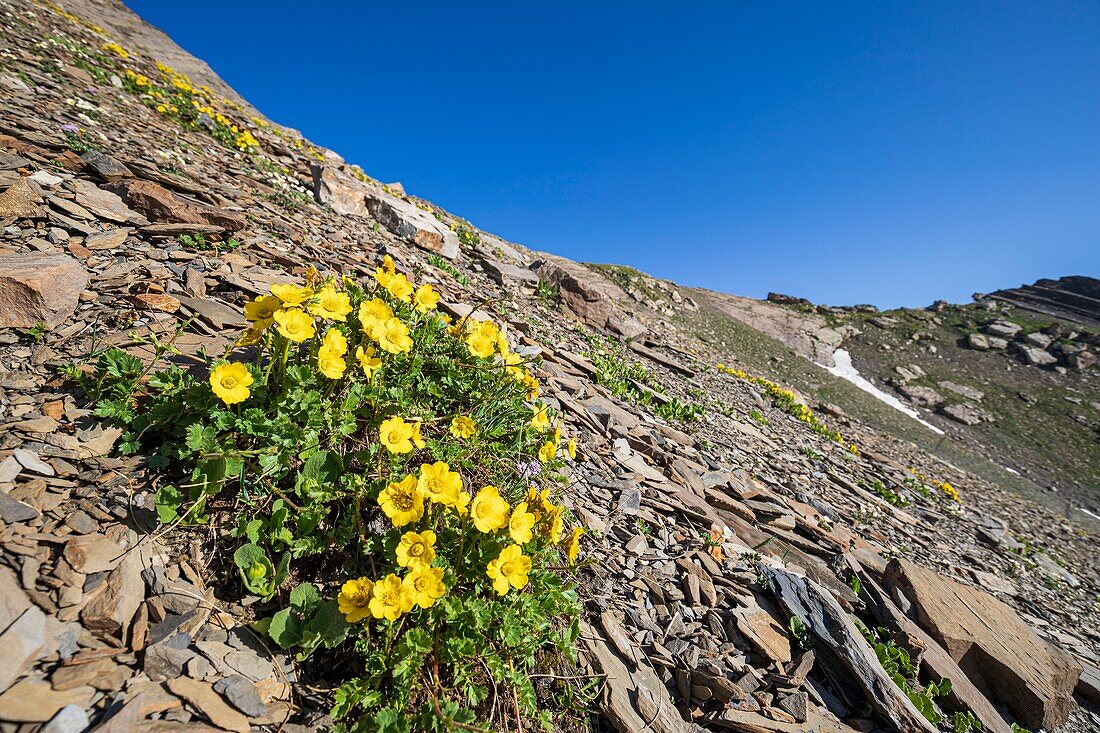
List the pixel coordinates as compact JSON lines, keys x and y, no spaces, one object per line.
{"x":843,"y":368}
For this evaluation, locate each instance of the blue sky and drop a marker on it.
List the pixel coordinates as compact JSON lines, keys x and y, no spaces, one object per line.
{"x":854,"y":152}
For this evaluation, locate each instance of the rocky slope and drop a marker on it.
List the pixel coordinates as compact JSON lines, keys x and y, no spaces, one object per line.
{"x":734,"y":545}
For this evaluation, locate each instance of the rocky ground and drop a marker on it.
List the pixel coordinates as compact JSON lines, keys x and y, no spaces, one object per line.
{"x":712,"y":532}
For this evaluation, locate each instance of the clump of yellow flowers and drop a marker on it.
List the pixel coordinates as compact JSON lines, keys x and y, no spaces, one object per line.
{"x":786,"y":400}
{"x":407,"y":460}
{"x":944,"y":487}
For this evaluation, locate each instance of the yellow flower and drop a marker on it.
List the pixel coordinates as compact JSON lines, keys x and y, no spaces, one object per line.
{"x":547,"y":451}
{"x":520,"y":524}
{"x":330,"y":364}
{"x":115,"y":49}
{"x":390,"y":598}
{"x":402,"y":502}
{"x":462,"y":506}
{"x":512,"y":364}
{"x":294,"y":324}
{"x":426,"y":298}
{"x":396,"y":435}
{"x":483,"y":338}
{"x":424,"y":586}
{"x":393,"y":336}
{"x":385,"y":272}
{"x":463,"y":427}
{"x":541,"y":419}
{"x":400,"y":287}
{"x":571,"y":449}
{"x":509,"y":570}
{"x":251,"y":337}
{"x":335,"y":342}
{"x":573,"y":547}
{"x":489,"y":511}
{"x":439,"y":483}
{"x":291,"y":295}
{"x":367,"y":360}
{"x":417,"y":439}
{"x":532,"y":385}
{"x":230,"y":382}
{"x":416,"y":549}
{"x":261,"y":310}
{"x":556,"y":517}
{"x":331,"y":304}
{"x":373,"y":313}
{"x":354,"y":599}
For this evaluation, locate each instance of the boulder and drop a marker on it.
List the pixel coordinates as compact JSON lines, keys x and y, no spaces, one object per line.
{"x":1003,"y":328}
{"x":593,"y":298}
{"x":966,"y":414}
{"x":921,"y":396}
{"x":338,"y":191}
{"x":161,"y":205}
{"x":1082,"y":360}
{"x":38,"y":288}
{"x":978,"y":341}
{"x":1000,"y":654}
{"x":409,"y":222}
{"x":1036,"y":357}
{"x":349,"y":196}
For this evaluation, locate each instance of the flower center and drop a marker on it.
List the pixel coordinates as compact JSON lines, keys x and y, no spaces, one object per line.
{"x":229,"y":382}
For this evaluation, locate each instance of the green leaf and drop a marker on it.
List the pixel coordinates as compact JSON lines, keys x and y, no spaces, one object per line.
{"x":285,"y":629}
{"x":304,"y":597}
{"x":208,"y":477}
{"x":168,"y":501}
{"x":200,"y":438}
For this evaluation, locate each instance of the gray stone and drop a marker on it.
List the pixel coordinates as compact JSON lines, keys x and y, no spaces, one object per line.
{"x":630,"y":501}
{"x":69,"y":719}
{"x":106,"y":167}
{"x":12,"y":510}
{"x":241,"y":693}
{"x":1037,"y":357}
{"x":921,"y":396}
{"x":1002,"y":328}
{"x":978,"y":341}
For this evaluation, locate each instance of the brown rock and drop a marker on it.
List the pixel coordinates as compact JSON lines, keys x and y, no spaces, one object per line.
{"x":39,"y":288}
{"x":765,"y":632}
{"x":634,"y":697}
{"x":161,"y":205}
{"x":21,"y":644}
{"x":93,"y":553}
{"x":104,"y":204}
{"x":107,"y":240}
{"x":209,"y":703}
{"x":110,"y":612}
{"x":593,"y":298}
{"x":102,"y":674}
{"x":1000,"y":654}
{"x":34,"y":701}
{"x":156,"y":302}
{"x":406,"y":220}
{"x":21,"y":200}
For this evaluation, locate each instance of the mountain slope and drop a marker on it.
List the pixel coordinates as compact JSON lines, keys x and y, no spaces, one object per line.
{"x":734,"y":536}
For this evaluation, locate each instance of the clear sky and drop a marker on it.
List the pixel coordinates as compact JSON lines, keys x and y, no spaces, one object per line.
{"x":890,"y":153}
